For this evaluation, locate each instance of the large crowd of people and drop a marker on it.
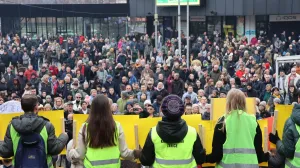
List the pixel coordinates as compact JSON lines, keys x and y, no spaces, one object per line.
{"x":67,"y":73}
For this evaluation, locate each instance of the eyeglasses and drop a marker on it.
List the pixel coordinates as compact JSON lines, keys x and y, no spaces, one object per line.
{"x":78,"y":97}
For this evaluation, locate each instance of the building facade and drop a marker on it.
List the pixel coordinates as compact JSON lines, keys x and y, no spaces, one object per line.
{"x":115,"y":18}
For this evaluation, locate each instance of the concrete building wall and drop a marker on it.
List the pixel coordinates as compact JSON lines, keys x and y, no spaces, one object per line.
{"x":142,"y":8}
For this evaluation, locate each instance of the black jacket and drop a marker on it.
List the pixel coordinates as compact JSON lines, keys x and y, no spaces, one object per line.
{"x":163,"y":93}
{"x":219,"y":139}
{"x":170,"y":132}
{"x":252,"y":93}
{"x":28,"y":123}
{"x":178,"y":87}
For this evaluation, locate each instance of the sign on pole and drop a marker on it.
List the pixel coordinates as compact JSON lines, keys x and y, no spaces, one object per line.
{"x":175,"y":2}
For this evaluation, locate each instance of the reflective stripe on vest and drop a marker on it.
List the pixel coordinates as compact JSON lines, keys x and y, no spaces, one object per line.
{"x":174,"y":162}
{"x":236,"y":165}
{"x":239,"y":150}
{"x":104,"y":162}
{"x":295,"y":162}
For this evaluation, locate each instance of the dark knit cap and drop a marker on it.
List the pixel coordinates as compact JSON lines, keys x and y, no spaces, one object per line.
{"x":172,"y":107}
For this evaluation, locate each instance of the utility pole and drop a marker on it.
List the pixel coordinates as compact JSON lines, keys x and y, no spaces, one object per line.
{"x":188,"y":34}
{"x":156,"y":24}
{"x":179,"y":29}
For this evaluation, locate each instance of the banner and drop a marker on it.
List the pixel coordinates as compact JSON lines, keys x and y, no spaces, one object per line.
{"x":10,"y":107}
{"x":175,"y":2}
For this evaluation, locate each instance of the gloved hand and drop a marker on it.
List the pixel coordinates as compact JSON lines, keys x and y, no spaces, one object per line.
{"x":273,"y":138}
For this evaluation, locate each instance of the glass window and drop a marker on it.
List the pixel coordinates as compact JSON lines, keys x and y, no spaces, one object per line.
{"x":122,"y":26}
{"x":137,"y":25}
{"x":96,"y":28}
{"x":31,"y":25}
{"x":70,"y":26}
{"x":104,"y":27}
{"x":23,"y":27}
{"x":79,"y":26}
{"x":62,"y":26}
{"x":51,"y":26}
{"x":113,"y":27}
{"x":41,"y":27}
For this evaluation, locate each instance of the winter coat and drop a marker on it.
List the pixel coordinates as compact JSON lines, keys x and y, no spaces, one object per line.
{"x":178,"y":87}
{"x":29,"y":123}
{"x":215,"y":75}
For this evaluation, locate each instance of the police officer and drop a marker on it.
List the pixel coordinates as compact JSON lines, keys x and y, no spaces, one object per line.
{"x":237,"y":140}
{"x":172,"y":143}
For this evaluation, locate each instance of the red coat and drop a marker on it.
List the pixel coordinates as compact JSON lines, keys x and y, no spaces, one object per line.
{"x":81,"y":39}
{"x":28,"y":73}
{"x":239,"y":73}
{"x":53,"y":70}
{"x":61,"y":40}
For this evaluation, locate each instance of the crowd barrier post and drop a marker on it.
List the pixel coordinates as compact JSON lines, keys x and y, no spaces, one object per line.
{"x":202,"y":133}
{"x":136,"y":136}
{"x":266,"y":138}
{"x":74,"y":133}
{"x":211,"y":109}
{"x":275,"y":122}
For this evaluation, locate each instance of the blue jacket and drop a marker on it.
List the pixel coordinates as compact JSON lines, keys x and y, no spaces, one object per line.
{"x":132,"y":80}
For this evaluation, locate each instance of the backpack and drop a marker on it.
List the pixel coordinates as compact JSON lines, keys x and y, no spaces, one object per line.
{"x":31,"y":152}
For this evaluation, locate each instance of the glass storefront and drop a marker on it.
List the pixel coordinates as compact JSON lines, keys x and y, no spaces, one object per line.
{"x":112,"y":27}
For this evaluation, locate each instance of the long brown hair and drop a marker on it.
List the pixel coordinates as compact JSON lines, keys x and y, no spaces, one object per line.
{"x":101,"y":130}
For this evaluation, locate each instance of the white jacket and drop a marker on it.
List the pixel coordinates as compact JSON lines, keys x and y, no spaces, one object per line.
{"x":286,"y":86}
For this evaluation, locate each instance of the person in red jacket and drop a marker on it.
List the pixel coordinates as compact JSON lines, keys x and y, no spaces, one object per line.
{"x":81,"y":39}
{"x":241,"y":71}
{"x":29,"y":72}
{"x":53,"y":69}
{"x":61,"y":40}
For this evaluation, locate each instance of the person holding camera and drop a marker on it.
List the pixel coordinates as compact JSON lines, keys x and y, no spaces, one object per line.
{"x":133,"y":108}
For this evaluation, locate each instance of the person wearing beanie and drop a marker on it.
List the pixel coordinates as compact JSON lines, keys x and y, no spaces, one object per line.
{"x":172,"y":143}
{"x":238,"y":143}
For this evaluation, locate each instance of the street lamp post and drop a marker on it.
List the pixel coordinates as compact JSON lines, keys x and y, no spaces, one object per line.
{"x":179,"y":29}
{"x":156,"y":24}
{"x":188,"y":34}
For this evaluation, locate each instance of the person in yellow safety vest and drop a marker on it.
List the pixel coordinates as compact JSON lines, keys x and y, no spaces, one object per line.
{"x":289,"y":147}
{"x":101,"y":140}
{"x":172,"y":143}
{"x":237,"y":139}
{"x":28,"y":124}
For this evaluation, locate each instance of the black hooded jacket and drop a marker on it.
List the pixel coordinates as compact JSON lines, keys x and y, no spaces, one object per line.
{"x":170,"y":132}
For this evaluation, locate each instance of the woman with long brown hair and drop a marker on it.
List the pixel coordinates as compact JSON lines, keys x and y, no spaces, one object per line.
{"x":237,"y":140}
{"x":101,"y":140}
